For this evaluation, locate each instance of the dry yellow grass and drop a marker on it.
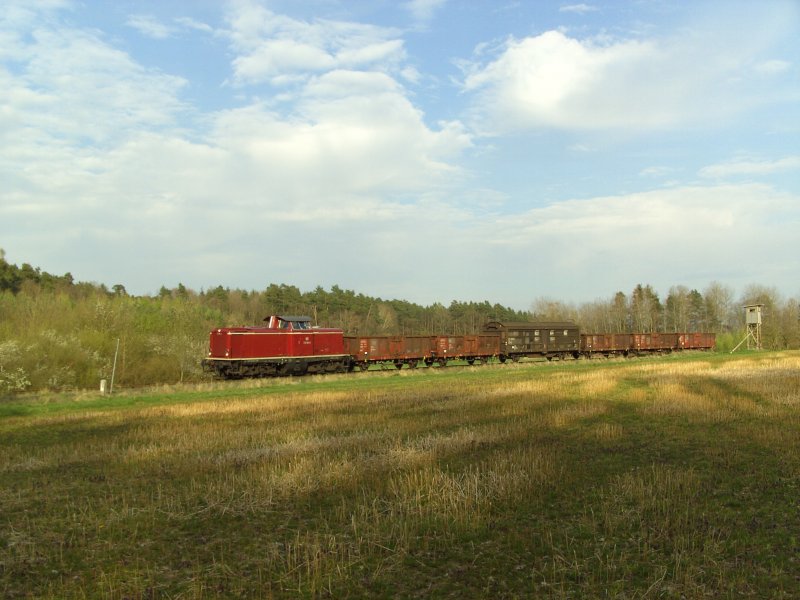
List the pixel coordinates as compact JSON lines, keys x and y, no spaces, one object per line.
{"x":625,"y":479}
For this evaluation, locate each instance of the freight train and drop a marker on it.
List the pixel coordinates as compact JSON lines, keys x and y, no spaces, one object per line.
{"x":289,"y":345}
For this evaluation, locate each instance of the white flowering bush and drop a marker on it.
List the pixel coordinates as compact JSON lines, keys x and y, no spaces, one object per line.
{"x":61,"y":360}
{"x":13,"y":377}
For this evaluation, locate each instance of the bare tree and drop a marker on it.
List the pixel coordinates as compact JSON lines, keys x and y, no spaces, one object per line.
{"x":645,"y":308}
{"x":548,"y":309}
{"x":677,"y":309}
{"x":719,"y":305}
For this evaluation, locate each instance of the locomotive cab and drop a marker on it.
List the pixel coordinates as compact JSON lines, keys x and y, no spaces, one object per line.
{"x":288,"y":323}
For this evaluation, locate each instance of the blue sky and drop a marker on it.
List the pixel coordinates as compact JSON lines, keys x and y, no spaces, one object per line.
{"x":427,"y":150}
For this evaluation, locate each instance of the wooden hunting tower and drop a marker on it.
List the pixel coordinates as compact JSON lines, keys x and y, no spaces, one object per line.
{"x":752,"y":317}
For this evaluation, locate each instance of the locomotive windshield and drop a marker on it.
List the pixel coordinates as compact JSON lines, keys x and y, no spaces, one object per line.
{"x":279,"y":322}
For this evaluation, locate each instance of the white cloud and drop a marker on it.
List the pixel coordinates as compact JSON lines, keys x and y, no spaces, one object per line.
{"x":690,"y":234}
{"x":21,"y":17}
{"x":191,"y":23}
{"x":553,"y":80}
{"x":353,"y":133}
{"x":743,"y":167}
{"x":371,"y":53}
{"x":423,"y":10}
{"x":149,"y":26}
{"x":273,"y":48}
{"x":657,"y":171}
{"x":73,"y":86}
{"x":411,"y":74}
{"x":273,"y":58}
{"x":69,"y":102}
{"x":773,"y":67}
{"x":578,"y":8}
{"x":697,"y":76}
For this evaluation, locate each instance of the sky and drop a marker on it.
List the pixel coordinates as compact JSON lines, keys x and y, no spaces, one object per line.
{"x":425,"y":150}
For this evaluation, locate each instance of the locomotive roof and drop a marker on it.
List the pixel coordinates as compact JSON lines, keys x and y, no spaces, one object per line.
{"x":290,"y":319}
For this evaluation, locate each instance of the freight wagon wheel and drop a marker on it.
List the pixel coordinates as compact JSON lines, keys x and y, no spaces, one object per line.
{"x":398,"y":364}
{"x":442,"y":362}
{"x":363,"y":366}
{"x":412,"y":364}
{"x":428,"y":362}
{"x":470,"y":361}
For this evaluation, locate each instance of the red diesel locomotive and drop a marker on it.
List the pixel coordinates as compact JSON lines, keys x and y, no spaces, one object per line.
{"x":285,"y":346}
{"x":291,"y":346}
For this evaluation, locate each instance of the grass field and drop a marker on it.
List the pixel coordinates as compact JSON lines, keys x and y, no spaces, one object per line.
{"x":676,"y":477}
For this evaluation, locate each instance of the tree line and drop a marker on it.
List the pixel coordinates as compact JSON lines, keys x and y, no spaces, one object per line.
{"x":716,"y":309}
{"x":57,"y":334}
